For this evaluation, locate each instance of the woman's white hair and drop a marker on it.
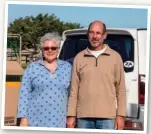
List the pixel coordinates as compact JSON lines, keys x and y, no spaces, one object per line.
{"x":48,"y":36}
{"x":51,"y":36}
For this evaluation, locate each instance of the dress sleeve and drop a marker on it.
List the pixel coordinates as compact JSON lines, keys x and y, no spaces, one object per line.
{"x":25,"y":93}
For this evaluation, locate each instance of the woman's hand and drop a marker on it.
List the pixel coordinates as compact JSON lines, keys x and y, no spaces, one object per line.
{"x":24,"y":122}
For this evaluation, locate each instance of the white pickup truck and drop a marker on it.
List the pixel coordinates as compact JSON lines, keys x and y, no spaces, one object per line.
{"x":131,"y":45}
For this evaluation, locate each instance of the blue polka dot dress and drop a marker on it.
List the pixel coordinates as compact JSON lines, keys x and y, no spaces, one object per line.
{"x":44,"y":95}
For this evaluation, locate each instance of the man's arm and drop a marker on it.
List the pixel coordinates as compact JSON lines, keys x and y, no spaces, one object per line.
{"x":120,"y":94}
{"x":72,"y":103}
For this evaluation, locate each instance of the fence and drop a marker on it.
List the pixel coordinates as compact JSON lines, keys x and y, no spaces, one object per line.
{"x":26,"y":57}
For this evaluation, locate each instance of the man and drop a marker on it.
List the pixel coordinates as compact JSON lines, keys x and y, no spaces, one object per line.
{"x":97,"y":84}
{"x":44,"y":90}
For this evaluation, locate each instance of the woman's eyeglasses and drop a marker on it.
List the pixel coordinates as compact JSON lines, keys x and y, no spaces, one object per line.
{"x":50,"y":48}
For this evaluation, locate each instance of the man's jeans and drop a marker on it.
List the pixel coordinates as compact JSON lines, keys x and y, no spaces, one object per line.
{"x":95,"y":123}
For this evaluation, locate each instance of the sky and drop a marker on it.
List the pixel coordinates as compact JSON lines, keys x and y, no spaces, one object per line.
{"x":112,"y":17}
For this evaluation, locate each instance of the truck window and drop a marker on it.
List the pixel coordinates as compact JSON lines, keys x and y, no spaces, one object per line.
{"x":123,"y":44}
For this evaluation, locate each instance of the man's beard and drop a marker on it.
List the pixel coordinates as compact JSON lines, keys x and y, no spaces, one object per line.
{"x":95,"y":45}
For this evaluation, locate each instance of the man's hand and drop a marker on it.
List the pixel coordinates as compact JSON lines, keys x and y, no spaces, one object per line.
{"x":24,"y":122}
{"x":119,"y":122}
{"x":71,"y":121}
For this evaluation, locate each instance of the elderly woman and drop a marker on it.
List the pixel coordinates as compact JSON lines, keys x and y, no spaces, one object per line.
{"x":44,"y":89}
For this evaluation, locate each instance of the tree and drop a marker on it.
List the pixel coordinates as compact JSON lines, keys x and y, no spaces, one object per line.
{"x":32,"y":28}
{"x":13,"y":43}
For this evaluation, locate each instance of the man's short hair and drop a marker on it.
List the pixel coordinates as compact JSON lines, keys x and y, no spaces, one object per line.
{"x":104,"y":26}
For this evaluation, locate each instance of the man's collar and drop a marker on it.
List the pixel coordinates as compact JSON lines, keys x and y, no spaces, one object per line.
{"x":106,"y":52}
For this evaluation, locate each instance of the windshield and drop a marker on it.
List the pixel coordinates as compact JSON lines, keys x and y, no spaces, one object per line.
{"x":123,"y":44}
